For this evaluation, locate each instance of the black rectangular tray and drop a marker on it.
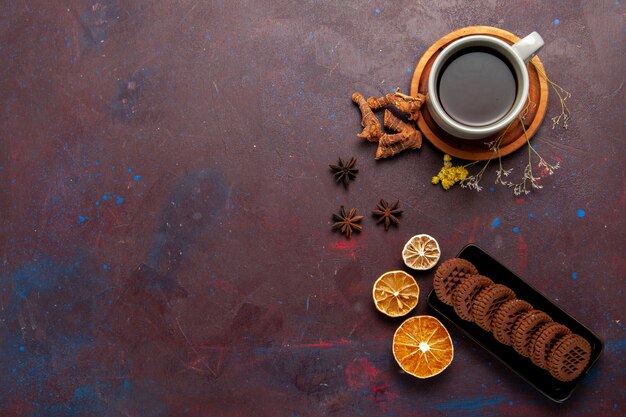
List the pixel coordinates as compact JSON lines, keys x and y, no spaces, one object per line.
{"x":540,"y":379}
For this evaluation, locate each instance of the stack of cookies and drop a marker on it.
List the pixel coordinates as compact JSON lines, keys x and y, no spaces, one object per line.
{"x":514,"y":322}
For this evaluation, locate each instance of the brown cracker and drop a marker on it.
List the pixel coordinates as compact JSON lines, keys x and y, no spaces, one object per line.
{"x":488,"y":301}
{"x":448,"y":275}
{"x":545,"y":340}
{"x":569,"y":358}
{"x":525,"y":327}
{"x":505,"y":318}
{"x":465,"y":292}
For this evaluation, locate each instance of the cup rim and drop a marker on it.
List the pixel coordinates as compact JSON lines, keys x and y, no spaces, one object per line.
{"x":520,"y":72}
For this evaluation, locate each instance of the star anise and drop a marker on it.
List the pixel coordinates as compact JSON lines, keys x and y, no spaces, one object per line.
{"x":347,"y":222}
{"x":388,"y":213}
{"x":344,"y":171}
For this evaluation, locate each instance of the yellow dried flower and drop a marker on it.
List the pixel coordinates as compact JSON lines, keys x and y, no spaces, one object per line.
{"x":449,"y":175}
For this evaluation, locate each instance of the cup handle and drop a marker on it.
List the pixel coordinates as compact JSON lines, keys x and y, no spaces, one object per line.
{"x":528,"y":47}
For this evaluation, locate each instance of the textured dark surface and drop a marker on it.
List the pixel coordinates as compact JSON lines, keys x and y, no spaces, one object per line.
{"x":166,"y":199}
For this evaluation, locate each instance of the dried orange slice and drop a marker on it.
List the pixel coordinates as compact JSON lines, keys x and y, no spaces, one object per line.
{"x":422,"y":346}
{"x":395,"y":293}
{"x":421,"y":252}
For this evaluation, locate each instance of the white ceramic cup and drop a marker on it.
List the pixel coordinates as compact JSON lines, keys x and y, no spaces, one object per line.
{"x":517,"y":55}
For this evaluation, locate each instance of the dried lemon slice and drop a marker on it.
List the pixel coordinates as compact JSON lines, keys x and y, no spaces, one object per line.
{"x":395,"y":293}
{"x":421,"y":252}
{"x":422,"y":346}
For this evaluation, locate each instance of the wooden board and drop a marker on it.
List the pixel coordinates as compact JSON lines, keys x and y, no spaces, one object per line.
{"x":477,"y":150}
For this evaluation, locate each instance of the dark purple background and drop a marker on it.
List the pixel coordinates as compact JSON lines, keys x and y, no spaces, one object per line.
{"x":166,"y":200}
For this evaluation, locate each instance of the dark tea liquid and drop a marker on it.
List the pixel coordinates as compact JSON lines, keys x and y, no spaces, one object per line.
{"x":477,"y":86}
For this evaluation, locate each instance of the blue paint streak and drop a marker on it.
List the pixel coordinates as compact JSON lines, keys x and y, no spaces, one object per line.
{"x":105,"y":266}
{"x":377,"y":11}
{"x":137,"y":177}
{"x":516,"y":230}
{"x":574,"y":275}
{"x":496,"y":222}
{"x":24,"y":370}
{"x":468,"y":406}
{"x":531,"y":215}
{"x":491,"y":189}
{"x":332,"y":116}
{"x":232,"y":206}
{"x":581,"y":213}
{"x":82,"y":219}
{"x":120,"y":200}
{"x":616,"y":345}
{"x":84,"y":392}
{"x":557,"y":22}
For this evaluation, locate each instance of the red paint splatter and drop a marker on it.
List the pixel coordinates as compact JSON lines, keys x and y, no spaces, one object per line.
{"x":519,"y":200}
{"x":474,"y":230}
{"x":555,"y":156}
{"x":339,"y":245}
{"x":320,"y":344}
{"x":360,"y":373}
{"x":345,"y":246}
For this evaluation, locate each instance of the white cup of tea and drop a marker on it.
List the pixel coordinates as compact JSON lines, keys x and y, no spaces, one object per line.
{"x":479,"y":84}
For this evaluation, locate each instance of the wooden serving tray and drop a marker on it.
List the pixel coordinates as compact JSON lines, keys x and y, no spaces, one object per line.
{"x":476,"y":150}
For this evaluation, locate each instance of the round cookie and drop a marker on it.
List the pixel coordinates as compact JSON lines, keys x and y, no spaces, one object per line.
{"x":465,"y":292}
{"x":505,"y":318}
{"x":525,"y":327}
{"x":487,"y":303}
{"x":448,"y":276}
{"x":569,"y":357}
{"x":535,"y":336}
{"x":544,"y":341}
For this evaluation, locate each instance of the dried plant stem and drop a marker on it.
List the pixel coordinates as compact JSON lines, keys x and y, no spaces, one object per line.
{"x":564,"y":117}
{"x":528,"y":181}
